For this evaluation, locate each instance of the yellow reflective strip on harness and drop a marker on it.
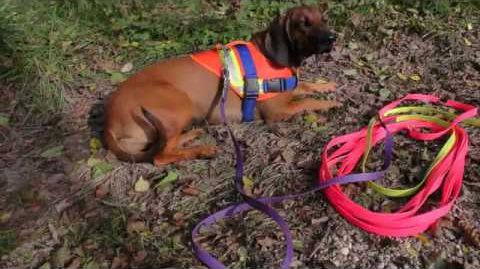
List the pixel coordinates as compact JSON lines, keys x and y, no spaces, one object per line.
{"x":236,"y":77}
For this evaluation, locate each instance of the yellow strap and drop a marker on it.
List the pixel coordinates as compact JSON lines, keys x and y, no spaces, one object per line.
{"x":447,"y":147}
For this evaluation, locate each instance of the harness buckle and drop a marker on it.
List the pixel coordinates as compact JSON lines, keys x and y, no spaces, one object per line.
{"x":252,"y":88}
{"x":275,"y":85}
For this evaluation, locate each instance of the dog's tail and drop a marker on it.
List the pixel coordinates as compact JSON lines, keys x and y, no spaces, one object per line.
{"x":156,"y":139}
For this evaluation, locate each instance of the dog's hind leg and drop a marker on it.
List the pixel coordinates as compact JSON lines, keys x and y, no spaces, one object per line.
{"x":171,"y":153}
{"x":189,"y":136}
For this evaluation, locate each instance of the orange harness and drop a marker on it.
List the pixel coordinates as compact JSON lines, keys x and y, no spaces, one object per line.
{"x":267,"y":73}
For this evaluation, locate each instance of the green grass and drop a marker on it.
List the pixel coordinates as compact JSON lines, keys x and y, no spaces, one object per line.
{"x":48,"y":48}
{"x":8,"y":241}
{"x":41,"y":47}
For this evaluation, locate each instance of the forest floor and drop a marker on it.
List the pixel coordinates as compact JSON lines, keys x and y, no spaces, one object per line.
{"x":67,"y":202}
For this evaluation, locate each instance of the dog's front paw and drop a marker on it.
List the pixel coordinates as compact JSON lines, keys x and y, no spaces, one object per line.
{"x":319,"y":86}
{"x":322,"y":86}
{"x":336,"y":104}
{"x":208,"y":151}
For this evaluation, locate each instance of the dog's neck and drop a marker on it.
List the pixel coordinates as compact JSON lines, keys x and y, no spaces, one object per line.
{"x":259,"y":39}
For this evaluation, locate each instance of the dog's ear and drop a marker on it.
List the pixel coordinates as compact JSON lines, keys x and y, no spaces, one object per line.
{"x":322,"y":7}
{"x":277,"y":41}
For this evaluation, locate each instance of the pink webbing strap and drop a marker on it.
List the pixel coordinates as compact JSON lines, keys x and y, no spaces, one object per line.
{"x":446,"y":175}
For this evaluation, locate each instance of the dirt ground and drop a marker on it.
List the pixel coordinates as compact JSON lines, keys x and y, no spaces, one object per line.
{"x":66,"y":202}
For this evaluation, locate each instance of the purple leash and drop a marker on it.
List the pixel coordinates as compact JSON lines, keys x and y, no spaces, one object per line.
{"x":263,"y":204}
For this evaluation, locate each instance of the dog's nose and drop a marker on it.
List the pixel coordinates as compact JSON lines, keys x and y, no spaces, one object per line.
{"x":325,"y":38}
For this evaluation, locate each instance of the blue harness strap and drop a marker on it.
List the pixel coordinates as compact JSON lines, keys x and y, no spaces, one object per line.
{"x":251,"y":84}
{"x":252,"y":87}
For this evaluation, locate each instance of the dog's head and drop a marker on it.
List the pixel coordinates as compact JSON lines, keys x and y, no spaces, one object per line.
{"x":299,"y":33}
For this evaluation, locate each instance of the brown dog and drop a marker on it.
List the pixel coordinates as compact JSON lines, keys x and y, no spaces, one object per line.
{"x":147,"y":115}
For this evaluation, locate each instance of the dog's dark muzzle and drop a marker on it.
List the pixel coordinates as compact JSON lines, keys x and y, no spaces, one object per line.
{"x":324,"y":41}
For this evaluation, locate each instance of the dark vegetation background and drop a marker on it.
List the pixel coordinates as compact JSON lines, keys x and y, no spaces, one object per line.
{"x":65,"y":202}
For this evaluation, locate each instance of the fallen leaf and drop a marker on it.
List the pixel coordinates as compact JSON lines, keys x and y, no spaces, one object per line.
{"x":369,"y":57}
{"x":467,"y":42}
{"x":242,"y":253}
{"x":92,"y":265}
{"x":415,"y":77}
{"x":412,"y":10}
{"x":356,"y":19}
{"x":140,"y":256}
{"x":93,"y":161}
{"x":353,"y":45}
{"x":5,"y":216}
{"x":247,"y":185}
{"x":310,"y":118}
{"x":471,"y":232}
{"x":4,"y":120}
{"x":178,"y":216}
{"x":119,"y":262}
{"x":266,"y":243}
{"x":62,"y":255}
{"x":116,"y":78}
{"x":424,"y":239}
{"x":320,"y":129}
{"x":101,"y":168}
{"x":171,"y":177}
{"x":179,"y":219}
{"x":191,"y":191}
{"x":297,"y":245}
{"x":127,"y":68}
{"x":384,"y":94}
{"x":95,"y":144}
{"x":247,"y":182}
{"x":411,"y":250}
{"x":469,"y":26}
{"x":102,"y":190}
{"x":136,"y":226}
{"x":62,"y":205}
{"x":66,"y":45}
{"x":53,"y":231}
{"x":401,"y":76}
{"x":386,"y":31}
{"x":360,"y":63}
{"x":142,"y":185}
{"x":52,"y":152}
{"x":320,"y":220}
{"x":350,"y":72}
{"x":124,"y":44}
{"x":75,"y":264}
{"x":45,"y":266}
{"x":437,"y":260}
{"x":288,"y":155}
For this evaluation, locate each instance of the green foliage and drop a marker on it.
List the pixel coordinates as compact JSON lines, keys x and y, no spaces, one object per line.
{"x":437,"y":7}
{"x":7,"y":241}
{"x":109,"y":232}
{"x":158,"y":29}
{"x":6,"y":37}
{"x":41,"y":48}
